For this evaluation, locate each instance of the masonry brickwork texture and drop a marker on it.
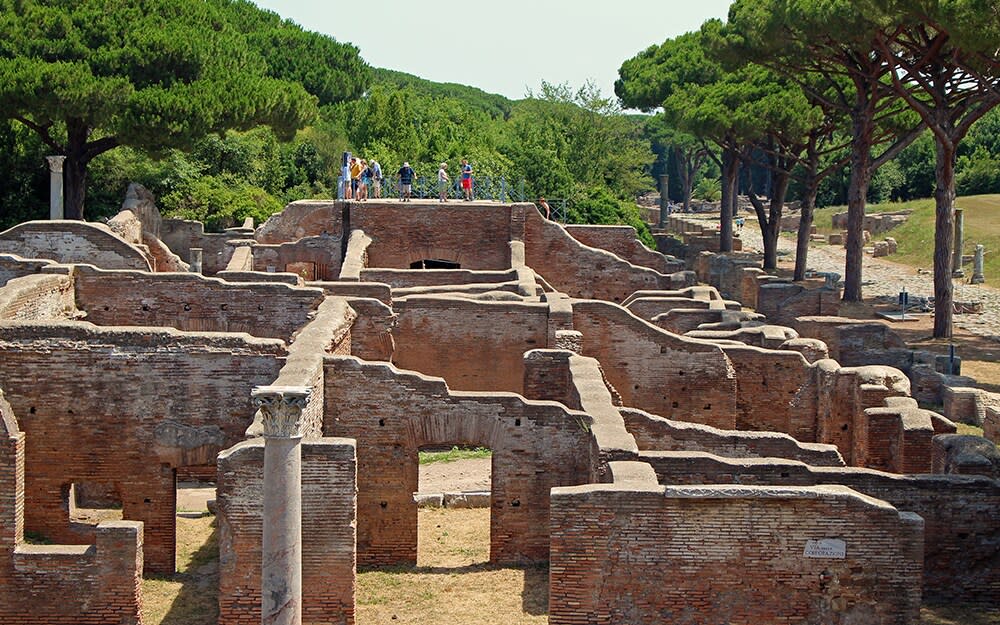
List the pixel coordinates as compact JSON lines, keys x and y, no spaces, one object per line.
{"x":663,"y":477}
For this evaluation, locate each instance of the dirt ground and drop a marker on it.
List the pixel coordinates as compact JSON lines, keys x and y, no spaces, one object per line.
{"x":458,"y":476}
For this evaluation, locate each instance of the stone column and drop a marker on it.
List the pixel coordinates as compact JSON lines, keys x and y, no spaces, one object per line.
{"x":196,"y":258}
{"x":281,"y":557}
{"x":664,"y":200}
{"x":978,"y":269}
{"x":956,"y":262}
{"x":55,"y":186}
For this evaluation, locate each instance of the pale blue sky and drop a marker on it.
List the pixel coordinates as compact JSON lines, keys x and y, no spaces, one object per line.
{"x":506,"y":46}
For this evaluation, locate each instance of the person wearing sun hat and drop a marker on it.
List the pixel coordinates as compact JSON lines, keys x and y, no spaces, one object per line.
{"x":405,"y":174}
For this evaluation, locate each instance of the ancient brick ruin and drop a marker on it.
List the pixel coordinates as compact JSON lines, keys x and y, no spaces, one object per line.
{"x":671,"y":453}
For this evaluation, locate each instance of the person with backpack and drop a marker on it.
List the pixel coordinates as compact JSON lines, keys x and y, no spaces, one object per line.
{"x":376,"y":173}
{"x":405,"y":174}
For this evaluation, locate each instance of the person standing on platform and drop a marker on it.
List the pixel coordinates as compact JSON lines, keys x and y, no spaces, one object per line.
{"x":467,"y":180}
{"x":405,"y":174}
{"x":443,"y":182}
{"x":376,"y":178}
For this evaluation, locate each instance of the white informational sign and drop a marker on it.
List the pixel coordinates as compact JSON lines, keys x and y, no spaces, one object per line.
{"x":826,"y":548}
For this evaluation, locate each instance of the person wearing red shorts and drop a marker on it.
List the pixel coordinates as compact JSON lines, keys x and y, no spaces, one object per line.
{"x":467,"y":180}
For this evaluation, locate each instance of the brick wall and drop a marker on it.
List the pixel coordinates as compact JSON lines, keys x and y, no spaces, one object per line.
{"x":72,"y":242}
{"x":655,"y":371}
{"x":776,"y":391}
{"x":313,"y":258}
{"x":622,"y":241}
{"x":371,"y":334}
{"x":303,"y":218}
{"x":635,"y":553}
{"x":329,"y":508}
{"x":53,"y":584}
{"x":474,"y":236}
{"x":180,"y":235}
{"x":192,"y":302}
{"x":962,"y":531}
{"x":119,"y":409}
{"x":393,"y":414}
{"x":402,"y":278}
{"x":582,"y":271}
{"x":658,"y":434}
{"x":37,"y":297}
{"x":474,"y":345}
{"x":12,"y":266}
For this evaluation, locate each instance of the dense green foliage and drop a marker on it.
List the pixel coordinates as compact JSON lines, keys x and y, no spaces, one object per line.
{"x":93,"y":75}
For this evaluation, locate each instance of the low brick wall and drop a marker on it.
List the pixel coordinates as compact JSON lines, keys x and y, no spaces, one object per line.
{"x":37,"y":298}
{"x":638,"y":553}
{"x":962,"y":530}
{"x":70,"y":241}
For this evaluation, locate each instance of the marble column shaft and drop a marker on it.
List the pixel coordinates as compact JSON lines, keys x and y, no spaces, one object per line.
{"x":281,"y":556}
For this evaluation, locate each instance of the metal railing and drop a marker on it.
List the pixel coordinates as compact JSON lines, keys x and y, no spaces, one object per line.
{"x":497,"y":189}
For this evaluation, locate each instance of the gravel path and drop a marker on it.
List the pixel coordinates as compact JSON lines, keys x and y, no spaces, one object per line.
{"x":881,"y":277}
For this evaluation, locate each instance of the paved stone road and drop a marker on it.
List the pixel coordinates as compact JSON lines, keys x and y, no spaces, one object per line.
{"x":882,"y":277}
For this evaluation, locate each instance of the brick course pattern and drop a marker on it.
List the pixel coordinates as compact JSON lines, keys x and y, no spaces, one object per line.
{"x":712,"y":554}
{"x":329,"y":507}
{"x":61,"y":584}
{"x":121,"y":408}
{"x":73,"y":242}
{"x":192,"y":302}
{"x":393,"y":414}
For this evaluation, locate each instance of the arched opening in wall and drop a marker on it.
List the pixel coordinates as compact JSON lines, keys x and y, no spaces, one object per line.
{"x":434,"y":263}
{"x":453,"y":498}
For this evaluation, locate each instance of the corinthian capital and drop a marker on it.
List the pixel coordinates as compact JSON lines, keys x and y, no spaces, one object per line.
{"x":281,"y":409}
{"x":55,"y":163}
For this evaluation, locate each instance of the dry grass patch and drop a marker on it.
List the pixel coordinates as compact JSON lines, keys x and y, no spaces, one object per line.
{"x":191,"y":595}
{"x":453,"y":581}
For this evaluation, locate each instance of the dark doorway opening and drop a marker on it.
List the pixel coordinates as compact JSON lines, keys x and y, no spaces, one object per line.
{"x":434,"y":263}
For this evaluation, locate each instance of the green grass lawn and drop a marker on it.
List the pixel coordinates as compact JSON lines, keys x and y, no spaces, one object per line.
{"x":916,"y":236}
{"x":453,"y":454}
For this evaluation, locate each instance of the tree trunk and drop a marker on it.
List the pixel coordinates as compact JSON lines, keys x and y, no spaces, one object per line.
{"x":805,"y":228}
{"x":779,"y":187}
{"x":729,"y":173}
{"x":75,"y":168}
{"x":944,"y":238}
{"x":861,"y":176}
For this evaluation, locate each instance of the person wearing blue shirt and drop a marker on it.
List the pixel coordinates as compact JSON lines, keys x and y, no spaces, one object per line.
{"x":405,"y":182}
{"x":467,"y":180}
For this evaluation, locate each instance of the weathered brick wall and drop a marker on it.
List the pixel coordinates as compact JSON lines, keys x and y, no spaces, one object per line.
{"x":303,"y":218}
{"x":43,"y":584}
{"x":72,"y":242}
{"x":623,"y":241}
{"x":474,"y":236}
{"x":403,"y":278}
{"x":474,"y":345}
{"x":193,"y":303}
{"x":393,"y":414}
{"x":582,"y":271}
{"x":314,"y":258}
{"x":329,"y":509}
{"x":775,"y":390}
{"x":12,"y":266}
{"x":782,"y":303}
{"x":37,"y":297}
{"x":119,"y":408}
{"x":634,"y":553}
{"x":962,"y":530}
{"x":180,"y":235}
{"x":654,"y":433}
{"x":371,"y":334}
{"x":655,"y":371}
{"x":579,"y":382}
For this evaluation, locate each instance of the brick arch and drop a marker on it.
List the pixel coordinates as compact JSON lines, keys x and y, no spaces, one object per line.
{"x":536,"y":445}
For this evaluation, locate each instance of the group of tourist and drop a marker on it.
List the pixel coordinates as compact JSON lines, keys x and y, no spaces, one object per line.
{"x":364,"y":174}
{"x":466,"y":181}
{"x":368,"y":174}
